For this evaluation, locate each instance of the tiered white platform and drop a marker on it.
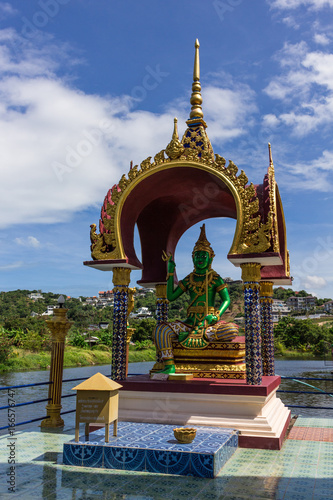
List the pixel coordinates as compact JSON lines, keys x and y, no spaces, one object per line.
{"x":255,"y":411}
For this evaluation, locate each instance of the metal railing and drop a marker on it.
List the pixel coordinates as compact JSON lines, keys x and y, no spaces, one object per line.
{"x":12,"y":387}
{"x":318,"y":392}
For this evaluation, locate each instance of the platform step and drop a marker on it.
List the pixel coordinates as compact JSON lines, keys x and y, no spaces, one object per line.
{"x":153,"y":448}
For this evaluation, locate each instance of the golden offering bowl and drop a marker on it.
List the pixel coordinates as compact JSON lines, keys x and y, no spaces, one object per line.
{"x":184,"y":434}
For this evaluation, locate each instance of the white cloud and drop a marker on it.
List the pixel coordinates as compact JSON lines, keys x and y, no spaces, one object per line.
{"x":314,"y":282}
{"x":291,"y":22}
{"x":270,"y":120}
{"x":6,"y":10}
{"x":321,"y":39}
{"x":294,"y":4}
{"x":30,"y":241}
{"x":228,"y":110}
{"x":14,"y":265}
{"x":315,"y":175}
{"x":62,"y":149}
{"x":306,"y":86}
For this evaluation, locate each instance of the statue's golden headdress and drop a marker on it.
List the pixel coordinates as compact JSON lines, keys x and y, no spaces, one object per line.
{"x":203,"y":245}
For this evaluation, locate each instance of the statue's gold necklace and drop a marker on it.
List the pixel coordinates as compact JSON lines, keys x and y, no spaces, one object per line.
{"x":199,"y":287}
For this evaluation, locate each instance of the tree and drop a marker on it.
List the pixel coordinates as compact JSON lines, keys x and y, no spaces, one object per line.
{"x":302,"y":334}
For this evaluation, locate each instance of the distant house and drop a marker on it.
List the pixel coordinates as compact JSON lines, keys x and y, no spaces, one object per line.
{"x":142,"y":312}
{"x":104,"y":325}
{"x":35,"y":296}
{"x":108,"y":294}
{"x":144,"y":291}
{"x":90,"y":339}
{"x":279,"y":309}
{"x":301,"y":303}
{"x":49,"y":310}
{"x":93,"y":327}
{"x":328,"y":306}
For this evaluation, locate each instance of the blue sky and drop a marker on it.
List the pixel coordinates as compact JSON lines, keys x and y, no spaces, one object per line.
{"x":113,"y":74}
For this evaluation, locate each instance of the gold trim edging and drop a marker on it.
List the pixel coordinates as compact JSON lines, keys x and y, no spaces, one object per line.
{"x":251,"y":236}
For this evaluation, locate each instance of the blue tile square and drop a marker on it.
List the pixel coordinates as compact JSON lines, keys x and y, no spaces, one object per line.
{"x":157,"y":461}
{"x":134,"y":459}
{"x":92,"y":456}
{"x":73,"y":454}
{"x":202,"y":465}
{"x":179,"y":463}
{"x":113,"y":458}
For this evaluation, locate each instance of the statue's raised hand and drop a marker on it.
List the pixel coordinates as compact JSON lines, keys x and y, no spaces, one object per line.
{"x":171,"y":266}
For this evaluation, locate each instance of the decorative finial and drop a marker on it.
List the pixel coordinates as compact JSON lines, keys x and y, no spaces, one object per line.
{"x":175,"y":135}
{"x":174,"y":149}
{"x":196,"y":69}
{"x":270,"y":155}
{"x":196,"y":99}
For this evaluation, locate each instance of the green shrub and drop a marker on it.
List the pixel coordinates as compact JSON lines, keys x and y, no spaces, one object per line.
{"x":6,"y":344}
{"x":144,"y":344}
{"x":78,"y":340}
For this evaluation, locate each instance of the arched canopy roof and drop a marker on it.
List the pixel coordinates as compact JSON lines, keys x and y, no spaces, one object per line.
{"x":167,"y":196}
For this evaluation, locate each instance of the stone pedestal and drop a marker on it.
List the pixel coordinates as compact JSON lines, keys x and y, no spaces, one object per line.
{"x":254,"y":410}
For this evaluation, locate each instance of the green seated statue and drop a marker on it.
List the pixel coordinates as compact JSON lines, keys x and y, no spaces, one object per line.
{"x":203,"y":324}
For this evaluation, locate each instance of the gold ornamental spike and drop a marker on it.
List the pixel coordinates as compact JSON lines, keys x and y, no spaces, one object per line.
{"x":270,"y":155}
{"x":196,"y":69}
{"x":175,"y":136}
{"x":196,"y":98}
{"x":174,"y":149}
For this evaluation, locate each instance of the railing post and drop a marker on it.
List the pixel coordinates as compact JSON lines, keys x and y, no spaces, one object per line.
{"x":59,"y":326}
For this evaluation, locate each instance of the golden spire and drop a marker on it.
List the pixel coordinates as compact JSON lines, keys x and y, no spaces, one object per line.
{"x":196,"y":114}
{"x":174,"y":149}
{"x":195,"y":139}
{"x":270,"y":156}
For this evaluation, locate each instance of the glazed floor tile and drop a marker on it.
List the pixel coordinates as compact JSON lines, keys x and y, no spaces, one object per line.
{"x":302,"y":469}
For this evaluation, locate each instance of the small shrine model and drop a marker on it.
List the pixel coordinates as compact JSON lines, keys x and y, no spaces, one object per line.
{"x":157,"y":196}
{"x":97,"y":403}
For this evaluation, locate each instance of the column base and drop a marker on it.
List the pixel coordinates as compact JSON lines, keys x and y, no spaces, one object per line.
{"x":55,"y":420}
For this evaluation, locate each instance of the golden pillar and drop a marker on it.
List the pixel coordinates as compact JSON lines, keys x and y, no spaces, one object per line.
{"x":266,"y":301}
{"x":59,"y":326}
{"x":121,"y":280}
{"x":251,"y":279}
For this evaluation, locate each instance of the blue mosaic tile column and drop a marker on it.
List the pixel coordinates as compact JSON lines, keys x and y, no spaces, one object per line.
{"x":121,"y":280}
{"x":162,"y":304}
{"x":267,"y":346}
{"x":251,"y":279}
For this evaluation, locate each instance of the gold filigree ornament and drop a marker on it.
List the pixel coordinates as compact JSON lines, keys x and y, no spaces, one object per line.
{"x":174,"y":149}
{"x":252,"y":236}
{"x":272,"y":201}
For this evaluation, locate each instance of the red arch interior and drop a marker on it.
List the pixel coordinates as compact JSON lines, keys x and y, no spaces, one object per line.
{"x":164,"y":206}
